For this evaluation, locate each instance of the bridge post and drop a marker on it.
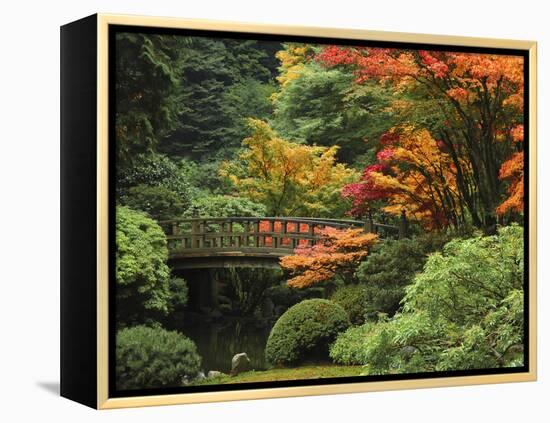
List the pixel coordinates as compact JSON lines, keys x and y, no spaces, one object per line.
{"x":273,"y":237}
{"x":403,"y":225}
{"x":311,"y":233}
{"x":284,"y":230}
{"x":230,"y":231}
{"x":256,"y":227}
{"x":244,"y":237}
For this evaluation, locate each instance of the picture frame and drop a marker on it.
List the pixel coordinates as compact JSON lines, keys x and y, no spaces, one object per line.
{"x":89,"y":198}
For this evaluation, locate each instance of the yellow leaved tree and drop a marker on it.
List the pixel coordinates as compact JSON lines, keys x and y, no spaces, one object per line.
{"x":290,"y":179}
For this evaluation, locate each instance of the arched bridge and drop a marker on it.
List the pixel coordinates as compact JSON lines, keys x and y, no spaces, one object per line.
{"x":209,"y":242}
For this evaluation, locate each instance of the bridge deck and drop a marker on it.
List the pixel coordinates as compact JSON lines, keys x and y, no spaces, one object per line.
{"x":205,"y":241}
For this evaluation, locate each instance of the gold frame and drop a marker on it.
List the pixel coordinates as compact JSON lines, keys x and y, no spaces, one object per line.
{"x":103,"y":401}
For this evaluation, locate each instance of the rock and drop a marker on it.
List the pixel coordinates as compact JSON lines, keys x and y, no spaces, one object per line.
{"x":408,"y":351}
{"x":214,"y":373}
{"x":200,"y":376}
{"x":240,"y":363}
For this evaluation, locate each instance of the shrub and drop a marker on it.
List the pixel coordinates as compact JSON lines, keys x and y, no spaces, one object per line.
{"x":286,"y":296}
{"x":464,"y":311}
{"x":153,"y":358}
{"x":391,"y":266}
{"x":225,"y":206}
{"x":154,"y":170}
{"x":179,"y":294}
{"x":158,"y":202}
{"x":142,"y":276}
{"x":349,"y":345}
{"x":353,"y":299}
{"x":305,"y":331}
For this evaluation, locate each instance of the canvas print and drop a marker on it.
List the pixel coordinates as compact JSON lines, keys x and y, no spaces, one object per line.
{"x":294,"y":210}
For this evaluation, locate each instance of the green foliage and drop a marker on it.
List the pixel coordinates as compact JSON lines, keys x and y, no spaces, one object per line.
{"x":464,"y":311}
{"x":248,"y":286}
{"x":154,"y":358}
{"x":286,"y":296}
{"x":153,"y":171}
{"x":202,"y":176}
{"x":225,"y":206}
{"x":469,"y":277}
{"x":214,"y":76}
{"x":391,"y":267}
{"x":158,"y":202}
{"x":179,"y":294}
{"x":322,"y":106}
{"x":148,"y":94}
{"x":353,"y":299}
{"x":349,"y":345}
{"x":305,"y":331}
{"x":142,"y":276}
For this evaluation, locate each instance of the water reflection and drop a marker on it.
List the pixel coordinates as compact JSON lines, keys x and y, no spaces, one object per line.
{"x":218,"y":341}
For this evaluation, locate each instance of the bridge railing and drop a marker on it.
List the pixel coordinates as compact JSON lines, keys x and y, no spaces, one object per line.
{"x":274,"y":234}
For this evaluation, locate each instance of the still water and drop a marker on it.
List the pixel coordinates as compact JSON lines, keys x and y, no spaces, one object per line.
{"x":218,"y":341}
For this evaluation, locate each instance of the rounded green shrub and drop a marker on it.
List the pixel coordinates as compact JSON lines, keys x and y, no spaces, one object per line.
{"x":305,"y":331}
{"x":149,"y":357}
{"x":353,"y":299}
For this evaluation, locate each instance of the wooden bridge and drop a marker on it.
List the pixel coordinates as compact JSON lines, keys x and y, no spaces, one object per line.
{"x":209,"y":242}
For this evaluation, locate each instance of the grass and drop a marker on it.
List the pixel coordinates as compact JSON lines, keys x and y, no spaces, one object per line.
{"x":295,"y":373}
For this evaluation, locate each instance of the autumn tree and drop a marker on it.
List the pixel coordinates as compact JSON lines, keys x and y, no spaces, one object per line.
{"x":512,"y":170}
{"x":290,"y":179}
{"x":292,"y":59}
{"x":338,"y":253}
{"x":468,"y":102}
{"x":416,"y":176}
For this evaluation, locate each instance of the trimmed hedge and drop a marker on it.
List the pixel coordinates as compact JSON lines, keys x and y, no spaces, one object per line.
{"x":305,"y":331}
{"x":153,"y":358}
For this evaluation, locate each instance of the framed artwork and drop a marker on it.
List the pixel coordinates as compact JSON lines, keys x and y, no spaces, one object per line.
{"x":255,"y":211}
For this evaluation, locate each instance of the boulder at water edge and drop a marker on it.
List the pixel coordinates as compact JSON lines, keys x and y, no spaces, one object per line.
{"x":240,"y":363}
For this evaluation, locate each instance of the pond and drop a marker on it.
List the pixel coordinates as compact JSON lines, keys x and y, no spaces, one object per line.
{"x":218,"y":341}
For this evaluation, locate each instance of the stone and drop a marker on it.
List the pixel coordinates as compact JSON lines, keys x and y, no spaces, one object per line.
{"x":214,"y":373}
{"x":200,"y":376}
{"x":240,"y":363}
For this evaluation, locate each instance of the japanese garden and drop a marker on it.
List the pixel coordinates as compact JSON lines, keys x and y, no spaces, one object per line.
{"x":292,"y":211}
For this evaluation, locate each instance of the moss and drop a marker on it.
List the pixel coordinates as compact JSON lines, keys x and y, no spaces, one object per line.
{"x":298,"y":373}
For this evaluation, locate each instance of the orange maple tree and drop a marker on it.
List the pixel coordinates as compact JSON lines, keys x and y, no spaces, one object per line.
{"x":476,"y":101}
{"x":338,"y":252}
{"x":512,"y":170}
{"x":416,"y":176}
